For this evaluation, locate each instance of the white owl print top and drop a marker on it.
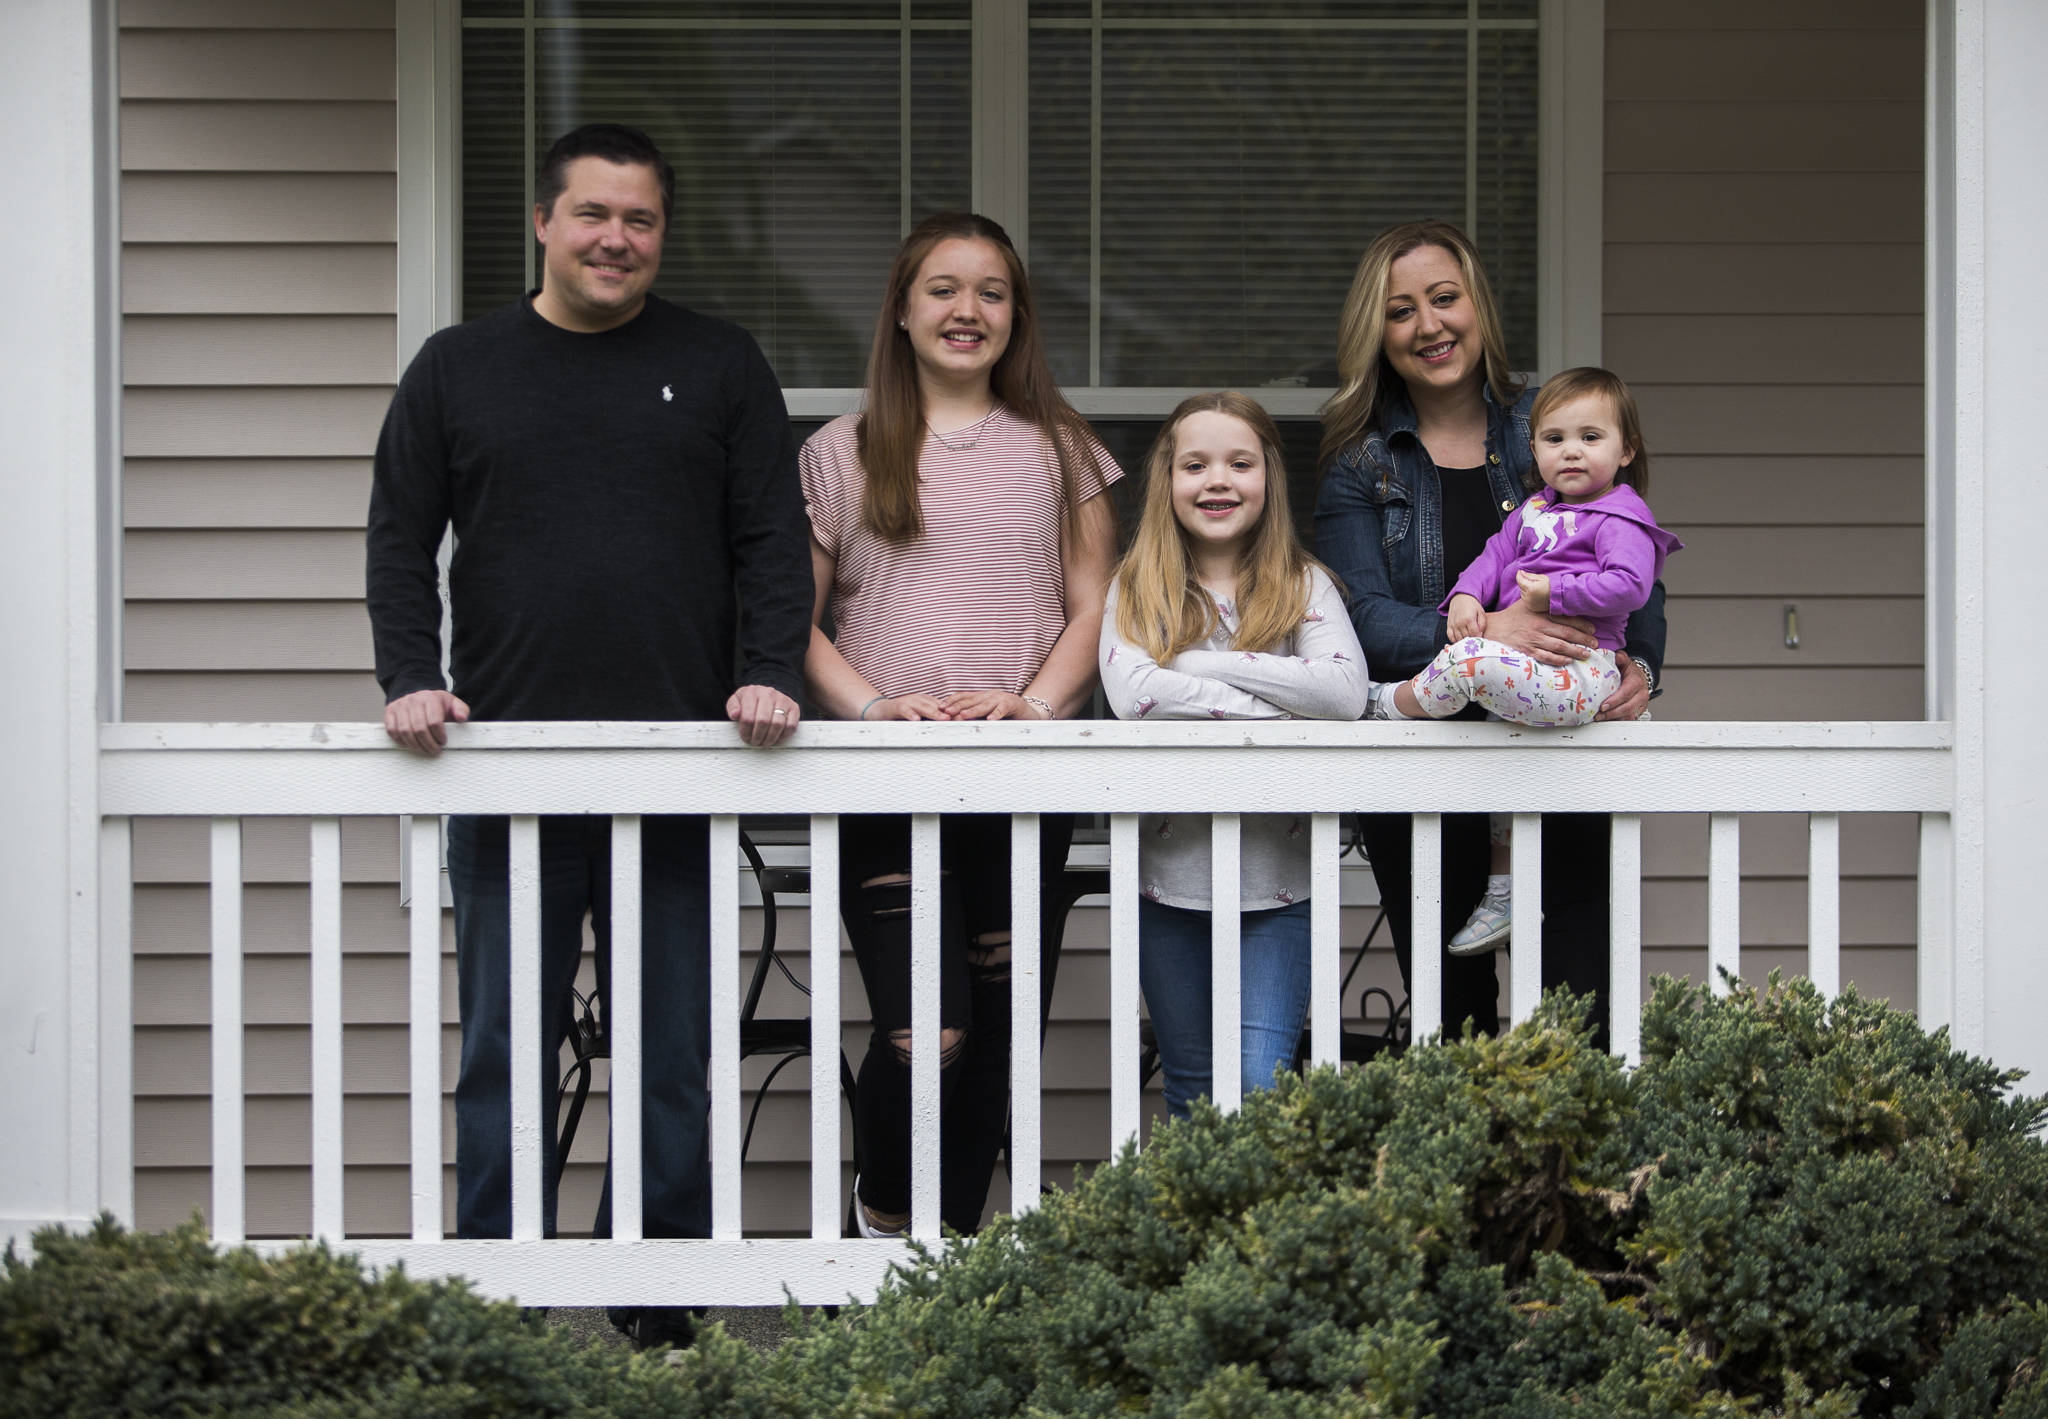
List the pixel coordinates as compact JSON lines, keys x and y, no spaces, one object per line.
{"x":1318,"y":674}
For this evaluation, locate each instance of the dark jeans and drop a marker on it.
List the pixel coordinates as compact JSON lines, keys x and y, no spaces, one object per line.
{"x":575,"y":872}
{"x":1575,"y":908}
{"x":974,"y":996}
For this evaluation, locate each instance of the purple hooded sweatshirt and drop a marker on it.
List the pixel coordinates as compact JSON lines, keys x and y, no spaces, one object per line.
{"x":1600,"y":557}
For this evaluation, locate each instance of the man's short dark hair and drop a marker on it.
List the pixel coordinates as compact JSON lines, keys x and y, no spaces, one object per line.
{"x":615,"y":143}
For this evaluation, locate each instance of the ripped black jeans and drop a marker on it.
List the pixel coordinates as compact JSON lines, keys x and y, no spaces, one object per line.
{"x":974,"y":997}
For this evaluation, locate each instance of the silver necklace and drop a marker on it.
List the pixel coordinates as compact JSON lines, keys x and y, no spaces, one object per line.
{"x":973,"y":430}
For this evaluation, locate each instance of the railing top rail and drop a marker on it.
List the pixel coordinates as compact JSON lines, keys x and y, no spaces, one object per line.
{"x":1819,"y":735}
{"x":1076,"y":766}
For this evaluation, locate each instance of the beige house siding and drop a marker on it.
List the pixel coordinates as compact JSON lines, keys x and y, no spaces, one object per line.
{"x":259,"y":300}
{"x":1763,"y":297}
{"x":1762,"y":292}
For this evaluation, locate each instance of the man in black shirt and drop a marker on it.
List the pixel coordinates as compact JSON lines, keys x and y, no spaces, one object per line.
{"x":621,"y":480}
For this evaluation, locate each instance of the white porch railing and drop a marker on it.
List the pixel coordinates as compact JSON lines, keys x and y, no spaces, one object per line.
{"x":327,"y":772}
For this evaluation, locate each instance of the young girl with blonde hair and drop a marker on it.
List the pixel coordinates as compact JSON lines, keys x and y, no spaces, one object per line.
{"x":1217,"y":612}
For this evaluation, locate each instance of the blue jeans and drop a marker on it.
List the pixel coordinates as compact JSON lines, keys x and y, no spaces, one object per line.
{"x":1173,"y":967}
{"x":575,"y":873}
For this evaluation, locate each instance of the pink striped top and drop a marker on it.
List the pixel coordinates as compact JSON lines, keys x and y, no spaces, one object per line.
{"x":978,"y":601}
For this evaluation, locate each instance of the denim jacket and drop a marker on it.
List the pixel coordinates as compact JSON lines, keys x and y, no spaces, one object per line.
{"x":1380,"y":528}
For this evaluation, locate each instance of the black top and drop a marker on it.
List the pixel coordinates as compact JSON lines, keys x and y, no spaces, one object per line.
{"x":1469,"y":518}
{"x":625,"y":507}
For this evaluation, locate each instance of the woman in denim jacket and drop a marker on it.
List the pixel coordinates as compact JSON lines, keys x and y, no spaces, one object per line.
{"x":1425,"y":452}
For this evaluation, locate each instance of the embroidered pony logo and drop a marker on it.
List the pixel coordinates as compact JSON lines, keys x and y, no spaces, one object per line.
{"x":1546,"y":525}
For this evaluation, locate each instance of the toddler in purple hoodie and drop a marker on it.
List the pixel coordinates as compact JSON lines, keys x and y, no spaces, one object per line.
{"x":1586,"y":546}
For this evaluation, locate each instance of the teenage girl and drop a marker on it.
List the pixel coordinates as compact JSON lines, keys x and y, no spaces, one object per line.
{"x":962,"y":549}
{"x":1218,"y":613}
{"x":1588,"y":546}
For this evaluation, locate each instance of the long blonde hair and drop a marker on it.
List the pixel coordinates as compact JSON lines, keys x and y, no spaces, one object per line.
{"x":1363,"y":374}
{"x":1159,"y":603}
{"x":891,"y":432}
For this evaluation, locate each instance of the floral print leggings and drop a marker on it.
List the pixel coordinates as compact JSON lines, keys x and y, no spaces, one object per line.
{"x":1514,"y":686}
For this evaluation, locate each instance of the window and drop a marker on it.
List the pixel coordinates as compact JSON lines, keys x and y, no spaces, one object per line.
{"x":805,"y":138}
{"x":1193,"y":180}
{"x":1205,"y":173}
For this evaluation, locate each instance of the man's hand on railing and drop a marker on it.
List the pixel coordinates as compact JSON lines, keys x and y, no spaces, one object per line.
{"x":419,"y":721}
{"x":765,"y":716}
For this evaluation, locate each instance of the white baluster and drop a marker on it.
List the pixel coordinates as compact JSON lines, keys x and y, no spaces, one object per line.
{"x":1226,"y":1013}
{"x":1724,"y":899}
{"x":424,"y":1027}
{"x":1525,"y":969}
{"x":527,"y":1118}
{"x":1425,"y":931}
{"x":1124,"y":1084}
{"x":324,"y":839}
{"x":826,"y":1217}
{"x":625,"y":1015}
{"x":1026,"y":1083}
{"x":117,"y":1019}
{"x":726,"y":1216}
{"x":1625,"y":938}
{"x":225,"y":896}
{"x":924,"y":1026}
{"x":1824,"y":903}
{"x":1326,"y":943}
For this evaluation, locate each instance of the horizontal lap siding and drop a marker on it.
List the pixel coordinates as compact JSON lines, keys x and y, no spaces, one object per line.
{"x":259,"y":303}
{"x":1763,"y":296}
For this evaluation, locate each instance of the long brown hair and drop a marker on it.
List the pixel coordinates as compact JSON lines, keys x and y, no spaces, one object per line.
{"x":1159,"y":603}
{"x":1363,"y":374}
{"x":891,"y":432}
{"x":1589,"y":379}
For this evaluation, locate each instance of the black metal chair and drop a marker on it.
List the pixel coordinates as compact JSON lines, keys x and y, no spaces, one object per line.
{"x":788,"y":1037}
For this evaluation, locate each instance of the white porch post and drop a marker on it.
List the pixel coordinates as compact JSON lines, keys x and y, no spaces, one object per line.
{"x":55,"y":368}
{"x":1989,"y":326}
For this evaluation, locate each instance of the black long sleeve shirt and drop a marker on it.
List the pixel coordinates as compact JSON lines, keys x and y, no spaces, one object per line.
{"x":626,"y":511}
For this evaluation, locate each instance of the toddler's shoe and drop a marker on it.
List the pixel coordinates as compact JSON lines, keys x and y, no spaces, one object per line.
{"x":1487,"y":929}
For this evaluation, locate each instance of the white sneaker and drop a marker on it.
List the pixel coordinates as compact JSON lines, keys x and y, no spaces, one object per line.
{"x":1487,"y":929}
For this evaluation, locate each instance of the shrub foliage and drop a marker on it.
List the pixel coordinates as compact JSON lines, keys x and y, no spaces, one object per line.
{"x":1791,"y":1207}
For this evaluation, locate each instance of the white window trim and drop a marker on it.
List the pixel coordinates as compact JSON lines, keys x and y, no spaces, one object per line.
{"x":1570,"y":182}
{"x":429,"y":94}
